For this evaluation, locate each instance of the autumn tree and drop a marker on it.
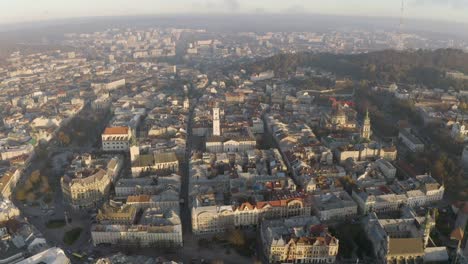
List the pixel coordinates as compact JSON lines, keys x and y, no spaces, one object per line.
{"x":35,"y":177}
{"x":63,"y":138}
{"x":31,"y":197}
{"x":21,"y":195}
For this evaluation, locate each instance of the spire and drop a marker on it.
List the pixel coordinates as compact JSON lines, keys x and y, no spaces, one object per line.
{"x":366,"y":127}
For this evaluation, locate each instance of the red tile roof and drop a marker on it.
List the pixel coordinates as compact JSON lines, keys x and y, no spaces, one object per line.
{"x":115,"y":130}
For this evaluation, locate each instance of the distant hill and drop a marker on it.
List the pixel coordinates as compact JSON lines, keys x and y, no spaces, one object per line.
{"x":420,"y":67}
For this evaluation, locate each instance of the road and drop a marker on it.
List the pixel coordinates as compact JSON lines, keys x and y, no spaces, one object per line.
{"x":185,"y":210}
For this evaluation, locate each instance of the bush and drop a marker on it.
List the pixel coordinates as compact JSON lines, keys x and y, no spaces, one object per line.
{"x":71,"y":236}
{"x":236,"y":238}
{"x":57,"y":223}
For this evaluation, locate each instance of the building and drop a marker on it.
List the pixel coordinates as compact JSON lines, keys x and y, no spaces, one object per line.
{"x":8,"y":180}
{"x":388,"y":170}
{"x":378,"y":199}
{"x":240,"y":140}
{"x":262,"y":76}
{"x":153,"y":162}
{"x":363,"y":152}
{"x":110,"y":85}
{"x":366,"y":131}
{"x":166,"y":161}
{"x":298,"y":240}
{"x":86,"y":184}
{"x":52,"y":255}
{"x":226,"y":144}
{"x":216,"y":122}
{"x":116,"y":139}
{"x":464,"y":158}
{"x":410,"y":140}
{"x":459,"y":131}
{"x":335,"y":206}
{"x":403,"y":239}
{"x":214,"y":218}
{"x":146,"y":185}
{"x":154,"y":228}
{"x":7,"y":210}
{"x":165,"y":199}
{"x":116,"y":213}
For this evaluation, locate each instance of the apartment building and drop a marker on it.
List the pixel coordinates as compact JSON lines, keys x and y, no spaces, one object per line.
{"x":87,"y":182}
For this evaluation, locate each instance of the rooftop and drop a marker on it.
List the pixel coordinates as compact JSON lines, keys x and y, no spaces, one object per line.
{"x":405,"y":246}
{"x":116,"y":130}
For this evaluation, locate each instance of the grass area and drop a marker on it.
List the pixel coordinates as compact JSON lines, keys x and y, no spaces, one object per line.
{"x":71,"y":236}
{"x":56,"y":223}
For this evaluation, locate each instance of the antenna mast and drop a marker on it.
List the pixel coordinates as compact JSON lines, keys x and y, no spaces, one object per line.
{"x":400,"y":45}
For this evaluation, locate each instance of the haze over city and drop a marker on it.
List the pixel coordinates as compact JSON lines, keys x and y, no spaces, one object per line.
{"x":30,"y":10}
{"x":234,"y":131}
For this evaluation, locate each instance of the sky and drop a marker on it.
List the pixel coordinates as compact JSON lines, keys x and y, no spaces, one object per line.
{"x":12,"y":11}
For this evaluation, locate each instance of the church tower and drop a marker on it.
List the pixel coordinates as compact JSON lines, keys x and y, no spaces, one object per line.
{"x":216,"y":125}
{"x":366,"y":127}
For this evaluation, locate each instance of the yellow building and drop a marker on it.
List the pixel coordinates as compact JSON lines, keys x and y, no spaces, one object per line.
{"x":298,"y":240}
{"x":86,"y":184}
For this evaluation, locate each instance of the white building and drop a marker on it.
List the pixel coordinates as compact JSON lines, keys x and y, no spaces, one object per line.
{"x":50,"y":256}
{"x":388,"y":170}
{"x":335,"y":206}
{"x":459,"y":131}
{"x":411,"y":141}
{"x":111,"y":85}
{"x":262,"y":76}
{"x":216,"y":122}
{"x":116,"y":139}
{"x":7,"y":210}
{"x":156,"y":227}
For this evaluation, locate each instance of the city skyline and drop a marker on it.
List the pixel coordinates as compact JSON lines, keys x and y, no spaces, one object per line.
{"x":27,"y":10}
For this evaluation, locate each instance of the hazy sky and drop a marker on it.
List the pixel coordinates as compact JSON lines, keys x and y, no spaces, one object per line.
{"x":31,"y":10}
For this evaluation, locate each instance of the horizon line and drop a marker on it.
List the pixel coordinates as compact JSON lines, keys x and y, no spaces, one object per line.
{"x":224,"y":14}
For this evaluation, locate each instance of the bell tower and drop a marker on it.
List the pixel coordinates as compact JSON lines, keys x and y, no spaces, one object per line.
{"x":366,"y":127}
{"x":216,"y":124}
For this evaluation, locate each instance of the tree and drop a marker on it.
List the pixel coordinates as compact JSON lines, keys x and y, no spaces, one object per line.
{"x":28,"y":186}
{"x":236,"y":237}
{"x":35,"y":177}
{"x":45,"y":188}
{"x":21,"y":195}
{"x":63,"y":138}
{"x":30,"y":197}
